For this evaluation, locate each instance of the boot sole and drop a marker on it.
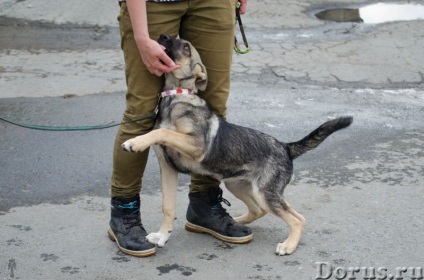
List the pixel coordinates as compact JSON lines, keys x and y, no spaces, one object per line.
{"x":237,"y":240}
{"x":144,"y":253}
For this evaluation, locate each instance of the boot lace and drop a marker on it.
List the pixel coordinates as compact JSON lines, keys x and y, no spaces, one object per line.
{"x":217,"y":206}
{"x":131,"y":220}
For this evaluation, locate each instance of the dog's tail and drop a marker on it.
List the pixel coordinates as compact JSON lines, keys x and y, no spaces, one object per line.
{"x":317,"y":136}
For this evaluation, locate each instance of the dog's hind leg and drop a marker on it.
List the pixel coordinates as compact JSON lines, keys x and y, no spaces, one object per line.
{"x":245,"y":192}
{"x":169,"y":183}
{"x":296,"y":223}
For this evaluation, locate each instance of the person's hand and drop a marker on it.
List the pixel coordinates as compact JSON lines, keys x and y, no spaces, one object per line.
{"x":243,"y":6}
{"x":155,"y":58}
{"x":152,"y":54}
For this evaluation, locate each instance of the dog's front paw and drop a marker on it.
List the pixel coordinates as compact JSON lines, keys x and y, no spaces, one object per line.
{"x":134,"y":145}
{"x":127,"y":146}
{"x":158,"y":238}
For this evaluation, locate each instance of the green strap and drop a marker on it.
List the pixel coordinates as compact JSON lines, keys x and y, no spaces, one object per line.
{"x":236,"y":44}
{"x":75,"y":128}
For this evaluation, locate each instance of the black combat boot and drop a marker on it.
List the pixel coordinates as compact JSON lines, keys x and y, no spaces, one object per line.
{"x":126,"y":228}
{"x":205,"y":214}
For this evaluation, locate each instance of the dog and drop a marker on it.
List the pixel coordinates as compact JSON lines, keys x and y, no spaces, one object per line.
{"x":189,"y":138}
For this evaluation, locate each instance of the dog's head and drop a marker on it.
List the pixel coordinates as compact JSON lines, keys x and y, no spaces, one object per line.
{"x":192,"y":73}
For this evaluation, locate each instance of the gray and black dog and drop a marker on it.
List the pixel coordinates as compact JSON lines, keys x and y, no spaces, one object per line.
{"x":188,"y":137}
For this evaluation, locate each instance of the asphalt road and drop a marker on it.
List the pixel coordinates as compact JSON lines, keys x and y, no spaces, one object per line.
{"x":361,"y":191}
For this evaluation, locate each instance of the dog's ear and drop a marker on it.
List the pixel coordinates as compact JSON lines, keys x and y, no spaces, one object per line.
{"x":199,"y":71}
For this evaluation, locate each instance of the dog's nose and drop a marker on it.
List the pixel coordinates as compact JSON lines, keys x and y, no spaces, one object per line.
{"x":165,"y":37}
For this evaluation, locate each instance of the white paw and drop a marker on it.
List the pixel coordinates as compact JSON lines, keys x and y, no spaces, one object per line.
{"x":158,"y":238}
{"x":285,"y":249}
{"x":135,"y":145}
{"x":127,"y":146}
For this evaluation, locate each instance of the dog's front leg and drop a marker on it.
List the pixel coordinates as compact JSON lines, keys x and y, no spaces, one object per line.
{"x":180,"y":142}
{"x":169,"y":183}
{"x":140,"y":143}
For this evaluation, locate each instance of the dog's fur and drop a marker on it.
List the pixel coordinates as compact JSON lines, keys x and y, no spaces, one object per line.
{"x":188,"y":137}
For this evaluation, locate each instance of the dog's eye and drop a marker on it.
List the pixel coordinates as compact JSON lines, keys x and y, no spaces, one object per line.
{"x":186,"y":48}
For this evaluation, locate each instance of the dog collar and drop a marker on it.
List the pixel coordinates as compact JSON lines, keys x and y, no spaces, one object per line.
{"x":176,"y":92}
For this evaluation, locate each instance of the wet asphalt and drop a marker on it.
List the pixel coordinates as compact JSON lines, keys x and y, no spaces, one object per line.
{"x":361,"y":191}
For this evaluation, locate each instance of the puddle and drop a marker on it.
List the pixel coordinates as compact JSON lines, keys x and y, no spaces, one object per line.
{"x":375,"y":13}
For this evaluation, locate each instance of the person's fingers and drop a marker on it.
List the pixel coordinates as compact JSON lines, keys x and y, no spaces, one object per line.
{"x":166,"y":60}
{"x":164,"y":68}
{"x":159,"y":69}
{"x":158,"y":73}
{"x":156,"y":59}
{"x":243,"y":6}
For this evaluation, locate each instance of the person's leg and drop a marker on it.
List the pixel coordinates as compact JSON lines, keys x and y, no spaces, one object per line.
{"x":209,"y":26}
{"x":141,"y":100}
{"x":142,"y":94}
